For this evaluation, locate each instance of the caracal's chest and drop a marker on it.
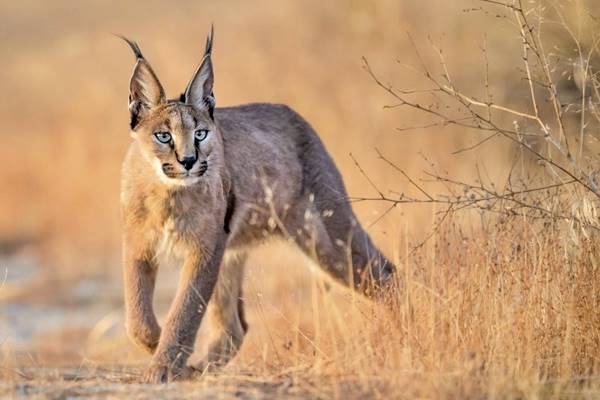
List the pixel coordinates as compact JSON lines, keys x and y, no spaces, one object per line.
{"x":182,"y":219}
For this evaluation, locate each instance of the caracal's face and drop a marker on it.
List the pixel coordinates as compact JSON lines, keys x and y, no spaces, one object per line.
{"x":178,"y":139}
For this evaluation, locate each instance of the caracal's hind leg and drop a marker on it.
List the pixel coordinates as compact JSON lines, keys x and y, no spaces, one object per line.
{"x":304,"y":226}
{"x":225,"y":314}
{"x":338,"y":244}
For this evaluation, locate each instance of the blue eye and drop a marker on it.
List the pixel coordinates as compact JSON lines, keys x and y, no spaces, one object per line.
{"x":201,"y":134}
{"x":163,"y":137}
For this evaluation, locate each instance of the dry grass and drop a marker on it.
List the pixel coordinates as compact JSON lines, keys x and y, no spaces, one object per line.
{"x":496,"y":303}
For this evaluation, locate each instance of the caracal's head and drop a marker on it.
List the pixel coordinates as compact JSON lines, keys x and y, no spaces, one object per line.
{"x":178,"y":137}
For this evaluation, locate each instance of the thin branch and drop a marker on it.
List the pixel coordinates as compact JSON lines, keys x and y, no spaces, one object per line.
{"x":381,"y":195}
{"x":415,"y":184}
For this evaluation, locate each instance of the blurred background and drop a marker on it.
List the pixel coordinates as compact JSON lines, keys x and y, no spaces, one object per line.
{"x":64,"y":80}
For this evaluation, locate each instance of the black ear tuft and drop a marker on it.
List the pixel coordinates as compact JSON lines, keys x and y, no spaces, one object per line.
{"x":199,"y":91}
{"x":209,"y":41}
{"x":134,"y":47}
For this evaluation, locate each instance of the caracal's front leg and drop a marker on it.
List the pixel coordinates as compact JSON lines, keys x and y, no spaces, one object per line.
{"x":226,"y":315}
{"x":139,"y":269}
{"x":198,"y":278}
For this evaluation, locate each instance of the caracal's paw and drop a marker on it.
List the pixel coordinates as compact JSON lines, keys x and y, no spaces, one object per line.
{"x":148,"y":345}
{"x":163,"y":374}
{"x":145,"y":335}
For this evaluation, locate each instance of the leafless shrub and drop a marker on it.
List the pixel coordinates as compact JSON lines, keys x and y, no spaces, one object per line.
{"x":568,"y":192}
{"x":537,"y":243}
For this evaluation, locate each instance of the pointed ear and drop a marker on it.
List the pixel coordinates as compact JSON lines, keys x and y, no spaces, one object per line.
{"x":145,"y":90}
{"x":199,"y":92}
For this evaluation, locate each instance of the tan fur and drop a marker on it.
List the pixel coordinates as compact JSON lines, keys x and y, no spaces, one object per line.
{"x":260,"y":171}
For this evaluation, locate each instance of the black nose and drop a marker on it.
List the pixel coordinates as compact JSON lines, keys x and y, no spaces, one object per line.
{"x":188,"y":162}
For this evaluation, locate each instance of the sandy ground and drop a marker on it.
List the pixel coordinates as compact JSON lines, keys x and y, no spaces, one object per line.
{"x":120,"y":382}
{"x":71,"y":344}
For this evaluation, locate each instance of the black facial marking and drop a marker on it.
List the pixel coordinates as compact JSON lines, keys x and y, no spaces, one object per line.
{"x":229,"y":212}
{"x":210,"y":103}
{"x":167,"y":167}
{"x":134,"y":110}
{"x":203,"y":167}
{"x":182,"y":97}
{"x":133,"y":121}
